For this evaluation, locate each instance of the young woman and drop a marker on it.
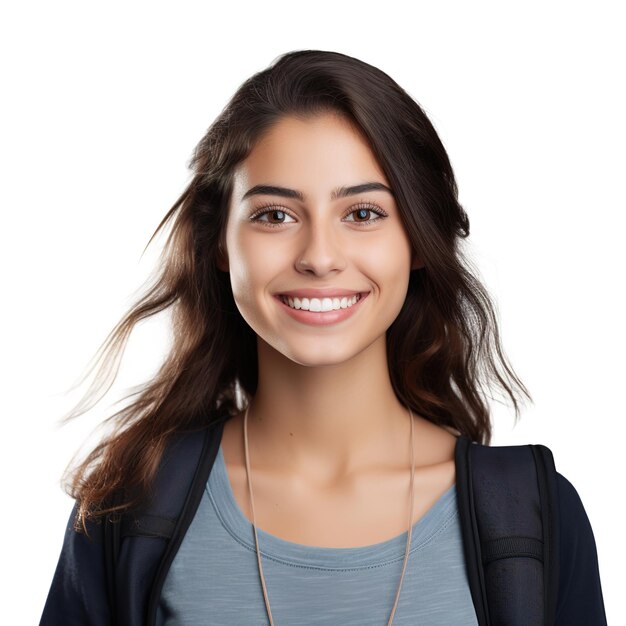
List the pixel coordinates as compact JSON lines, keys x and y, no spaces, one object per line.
{"x":329,"y":331}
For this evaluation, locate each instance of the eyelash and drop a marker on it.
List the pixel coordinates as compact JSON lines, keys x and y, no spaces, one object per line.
{"x":265,"y":208}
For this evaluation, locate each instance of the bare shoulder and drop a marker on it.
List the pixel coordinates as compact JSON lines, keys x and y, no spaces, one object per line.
{"x":435,"y":444}
{"x":436,"y":468}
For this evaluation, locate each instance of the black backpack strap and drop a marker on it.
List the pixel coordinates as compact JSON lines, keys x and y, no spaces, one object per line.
{"x":508,"y":507}
{"x":111,"y":550}
{"x":194,"y":473}
{"x":469,"y":530}
{"x":178,"y":486}
{"x":547,"y":475}
{"x":146,"y":525}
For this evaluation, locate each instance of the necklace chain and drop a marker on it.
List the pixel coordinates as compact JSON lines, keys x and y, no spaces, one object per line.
{"x":256,"y":539}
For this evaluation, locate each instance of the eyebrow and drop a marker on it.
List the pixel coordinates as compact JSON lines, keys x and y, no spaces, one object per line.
{"x":338,"y":192}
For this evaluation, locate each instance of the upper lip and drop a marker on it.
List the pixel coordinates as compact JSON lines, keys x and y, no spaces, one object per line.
{"x":329,"y":292}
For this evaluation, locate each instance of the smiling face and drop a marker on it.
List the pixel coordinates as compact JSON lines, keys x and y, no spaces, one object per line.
{"x":310,"y":235}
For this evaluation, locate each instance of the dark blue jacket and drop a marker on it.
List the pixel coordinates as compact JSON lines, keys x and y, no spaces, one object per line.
{"x":78,"y":593}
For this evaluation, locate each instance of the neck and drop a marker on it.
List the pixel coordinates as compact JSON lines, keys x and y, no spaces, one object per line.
{"x":326,"y":421}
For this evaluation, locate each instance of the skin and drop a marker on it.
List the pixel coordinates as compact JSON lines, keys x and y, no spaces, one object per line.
{"x":328,"y":438}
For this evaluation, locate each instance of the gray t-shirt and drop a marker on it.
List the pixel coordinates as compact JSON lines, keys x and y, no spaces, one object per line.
{"x":214,"y":577}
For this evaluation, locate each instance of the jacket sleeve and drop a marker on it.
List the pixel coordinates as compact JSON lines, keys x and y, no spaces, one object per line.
{"x":580,"y":601}
{"x":78,"y":593}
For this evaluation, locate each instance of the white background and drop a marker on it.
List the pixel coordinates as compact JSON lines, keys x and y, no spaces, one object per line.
{"x":102,"y":106}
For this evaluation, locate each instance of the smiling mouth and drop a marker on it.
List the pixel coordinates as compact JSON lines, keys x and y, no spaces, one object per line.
{"x":321,"y":311}
{"x":321,"y":305}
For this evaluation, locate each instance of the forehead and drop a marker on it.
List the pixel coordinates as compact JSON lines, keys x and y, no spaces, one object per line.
{"x":314,"y":154}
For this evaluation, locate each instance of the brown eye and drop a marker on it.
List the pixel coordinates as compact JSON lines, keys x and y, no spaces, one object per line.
{"x":274,"y":213}
{"x":363,"y":212}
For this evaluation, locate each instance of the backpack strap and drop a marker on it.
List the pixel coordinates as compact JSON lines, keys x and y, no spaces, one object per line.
{"x":111,"y":550}
{"x":508,"y":508}
{"x":174,"y":498}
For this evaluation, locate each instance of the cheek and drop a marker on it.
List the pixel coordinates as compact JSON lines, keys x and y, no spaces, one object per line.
{"x":388,"y":259}
{"x":389,"y":265}
{"x":250,"y":280}
{"x":242,"y":256}
{"x":242,"y":282}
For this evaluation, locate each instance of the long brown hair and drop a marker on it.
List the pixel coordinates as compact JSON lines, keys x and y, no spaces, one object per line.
{"x":443,"y":349}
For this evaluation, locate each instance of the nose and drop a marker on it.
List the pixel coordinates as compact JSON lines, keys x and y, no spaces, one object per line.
{"x":321,"y":252}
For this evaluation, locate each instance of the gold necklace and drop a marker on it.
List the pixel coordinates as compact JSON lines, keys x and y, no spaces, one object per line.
{"x":256,"y":539}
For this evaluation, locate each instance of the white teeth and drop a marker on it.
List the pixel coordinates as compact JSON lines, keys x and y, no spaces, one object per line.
{"x":323,"y":304}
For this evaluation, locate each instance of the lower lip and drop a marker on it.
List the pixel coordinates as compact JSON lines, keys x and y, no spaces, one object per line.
{"x":322,"y":318}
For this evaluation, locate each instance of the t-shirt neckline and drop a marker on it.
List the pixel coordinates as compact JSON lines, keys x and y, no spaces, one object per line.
{"x":425,"y":530}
